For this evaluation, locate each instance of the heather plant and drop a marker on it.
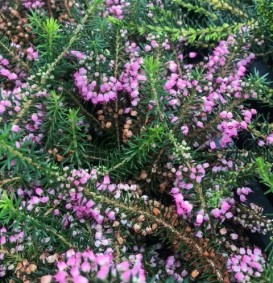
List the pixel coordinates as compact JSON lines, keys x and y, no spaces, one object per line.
{"x":119,"y":149}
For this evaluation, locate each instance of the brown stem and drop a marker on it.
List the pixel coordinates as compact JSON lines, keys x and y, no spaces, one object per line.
{"x":49,"y":8}
{"x":116,"y":115}
{"x":179,"y":235}
{"x":14,"y":57}
{"x":7,"y":181}
{"x":82,"y":108}
{"x":264,"y":53}
{"x":51,"y":67}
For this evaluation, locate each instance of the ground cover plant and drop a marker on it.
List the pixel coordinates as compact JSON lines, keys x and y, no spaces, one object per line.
{"x":129,"y":141}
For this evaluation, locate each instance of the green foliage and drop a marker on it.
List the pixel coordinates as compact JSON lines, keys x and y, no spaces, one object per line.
{"x":226,"y":6}
{"x":8,"y":207}
{"x":264,"y":173}
{"x":20,"y":157}
{"x":265,"y":10}
{"x":11,"y":153}
{"x":199,"y":22}
{"x":47,"y":31}
{"x":55,"y":112}
{"x":77,"y":134}
{"x":65,"y":128}
{"x":196,"y":9}
{"x":137,"y":152}
{"x":73,"y":139}
{"x":260,"y":84}
{"x":152,"y":67}
{"x":51,"y":28}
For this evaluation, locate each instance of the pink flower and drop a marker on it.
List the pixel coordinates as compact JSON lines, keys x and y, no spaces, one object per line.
{"x":15,"y":128}
{"x":225,"y":206}
{"x":4,"y":62}
{"x":234,"y":236}
{"x":86,"y":267}
{"x":31,"y":54}
{"x":60,"y":277}
{"x":239,"y":276}
{"x":216,"y":212}
{"x":269,"y":139}
{"x":192,"y":54}
{"x":34,"y":117}
{"x":83,"y":180}
{"x":173,"y":66}
{"x":80,"y":279}
{"x":106,"y":180}
{"x":2,"y":108}
{"x":38,"y":191}
{"x":242,"y":198}
{"x":12,"y":77}
{"x":257,"y":251}
{"x":183,"y":207}
{"x":154,"y":44}
{"x":223,"y":114}
{"x":103,"y":272}
{"x":147,"y":48}
{"x":200,"y":124}
{"x":228,"y":215}
{"x":199,"y":219}
{"x":212,"y":145}
{"x":169,"y":84}
{"x":123,"y":266}
{"x":2,"y":240}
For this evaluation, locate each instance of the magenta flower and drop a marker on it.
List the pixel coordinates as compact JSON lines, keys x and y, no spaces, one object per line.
{"x":192,"y":54}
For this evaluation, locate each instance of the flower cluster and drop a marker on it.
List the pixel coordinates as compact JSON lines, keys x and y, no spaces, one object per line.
{"x":32,"y":54}
{"x":121,"y":152}
{"x":183,"y":206}
{"x":224,"y":212}
{"x":4,"y":71}
{"x":177,"y":86}
{"x":33,"y":4}
{"x":243,"y":192}
{"x":80,"y":267}
{"x":128,"y":83}
{"x":171,"y":265}
{"x":246,"y":264}
{"x":15,"y":240}
{"x":107,"y":90}
{"x":131,"y":78}
{"x":116,"y":8}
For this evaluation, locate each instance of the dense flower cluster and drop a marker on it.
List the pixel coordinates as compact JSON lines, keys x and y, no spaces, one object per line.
{"x":80,"y":267}
{"x":33,"y":4}
{"x":108,"y":90}
{"x":116,"y":8}
{"x":119,"y":152}
{"x":224,"y":212}
{"x":183,"y":207}
{"x":131,"y":78}
{"x":245,"y":264}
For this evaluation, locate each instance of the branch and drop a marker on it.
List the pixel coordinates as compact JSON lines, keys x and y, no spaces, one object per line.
{"x":14,"y":57}
{"x":51,"y":67}
{"x":179,"y":235}
{"x":116,"y":116}
{"x":8,"y":181}
{"x":29,"y":161}
{"x":79,"y":104}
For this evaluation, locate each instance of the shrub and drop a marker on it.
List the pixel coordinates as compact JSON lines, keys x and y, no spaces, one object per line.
{"x":119,"y":149}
